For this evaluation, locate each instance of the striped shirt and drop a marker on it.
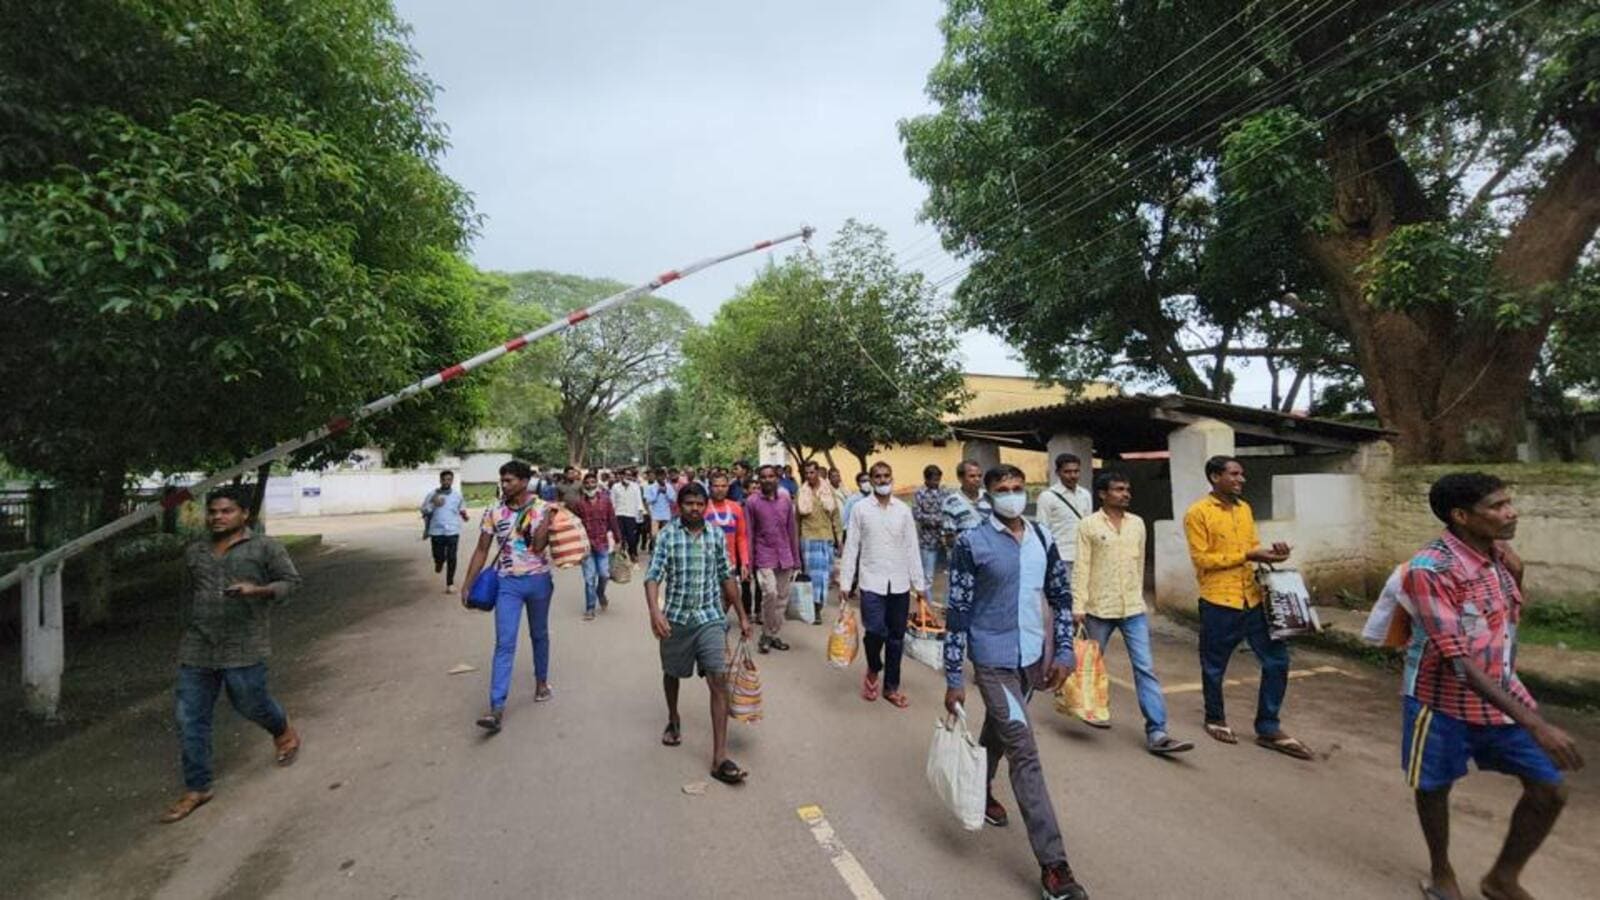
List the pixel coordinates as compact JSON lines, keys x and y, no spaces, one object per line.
{"x":691,"y":567}
{"x":1468,"y":606}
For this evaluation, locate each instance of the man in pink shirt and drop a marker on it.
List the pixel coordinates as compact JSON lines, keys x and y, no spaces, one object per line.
{"x":775,"y":551}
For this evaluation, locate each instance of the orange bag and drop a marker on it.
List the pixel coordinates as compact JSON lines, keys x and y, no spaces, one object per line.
{"x":1087,"y":691}
{"x":925,"y":621}
{"x":744,"y":685}
{"x":845,"y":640}
{"x":569,"y":545}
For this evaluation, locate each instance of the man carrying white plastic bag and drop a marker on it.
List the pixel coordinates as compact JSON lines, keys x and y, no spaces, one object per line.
{"x":1011,"y":605}
{"x":956,"y":769}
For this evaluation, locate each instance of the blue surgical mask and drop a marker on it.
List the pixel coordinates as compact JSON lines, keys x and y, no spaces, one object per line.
{"x":884,"y":490}
{"x":1009,"y":505}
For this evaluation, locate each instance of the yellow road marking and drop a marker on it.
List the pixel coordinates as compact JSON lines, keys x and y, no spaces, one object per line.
{"x":844,"y":862}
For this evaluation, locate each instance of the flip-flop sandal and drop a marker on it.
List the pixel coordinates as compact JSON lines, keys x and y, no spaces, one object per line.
{"x":673,"y":736}
{"x":897,"y":699}
{"x":1429,"y":892}
{"x":1286,"y":745}
{"x":1221,"y":732}
{"x":729,"y":773}
{"x":869,"y":688}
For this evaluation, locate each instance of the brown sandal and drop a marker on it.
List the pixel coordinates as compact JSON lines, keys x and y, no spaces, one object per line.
{"x":287,"y":745}
{"x":896,"y":699}
{"x":1286,"y":745}
{"x":188,"y":803}
{"x":1221,"y":732}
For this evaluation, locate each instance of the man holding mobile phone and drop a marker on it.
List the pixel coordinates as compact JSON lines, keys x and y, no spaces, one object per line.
{"x":1224,"y":546}
{"x":234,"y":579}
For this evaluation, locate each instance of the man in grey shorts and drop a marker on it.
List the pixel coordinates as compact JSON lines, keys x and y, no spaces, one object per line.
{"x":691,"y":560}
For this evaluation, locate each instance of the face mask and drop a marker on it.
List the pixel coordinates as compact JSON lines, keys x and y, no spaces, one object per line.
{"x":883,"y":490}
{"x":1009,"y":505}
{"x":865,"y":486}
{"x":590,"y":492}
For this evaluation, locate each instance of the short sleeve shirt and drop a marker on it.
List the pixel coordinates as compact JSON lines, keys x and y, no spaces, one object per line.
{"x":513,"y":528}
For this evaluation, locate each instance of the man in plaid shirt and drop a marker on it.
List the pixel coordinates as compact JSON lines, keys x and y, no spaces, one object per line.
{"x":692,"y":561}
{"x":1463,"y":698}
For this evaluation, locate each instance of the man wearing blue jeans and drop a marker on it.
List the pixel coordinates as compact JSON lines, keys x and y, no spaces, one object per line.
{"x":235,"y":578}
{"x":1108,"y":590}
{"x":521,"y":523}
{"x":599,"y":517}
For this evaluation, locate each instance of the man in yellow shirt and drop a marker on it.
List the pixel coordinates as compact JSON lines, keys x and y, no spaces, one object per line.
{"x":1108,"y":590}
{"x":1222,"y":545}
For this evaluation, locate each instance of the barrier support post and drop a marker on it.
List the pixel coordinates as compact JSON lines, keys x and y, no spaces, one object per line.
{"x":43,"y":642}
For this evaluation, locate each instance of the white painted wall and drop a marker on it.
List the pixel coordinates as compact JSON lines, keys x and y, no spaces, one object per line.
{"x":345,"y":492}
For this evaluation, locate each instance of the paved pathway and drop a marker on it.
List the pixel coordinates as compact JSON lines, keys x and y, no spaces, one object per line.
{"x":396,"y":794}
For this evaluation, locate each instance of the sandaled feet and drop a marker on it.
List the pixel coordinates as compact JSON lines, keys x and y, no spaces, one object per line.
{"x":673,"y":735}
{"x":1219,"y":731}
{"x":1286,"y":745}
{"x":490,"y":721}
{"x":188,"y":803}
{"x":1433,"y":892}
{"x":1167,"y":745}
{"x":287,"y":746}
{"x":728,"y":772}
{"x":896,"y":699}
{"x":869,"y":687}
{"x":1495,"y":889}
{"x":542,"y":693}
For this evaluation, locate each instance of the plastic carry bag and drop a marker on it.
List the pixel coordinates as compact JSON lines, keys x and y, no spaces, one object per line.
{"x":844,"y":642}
{"x":801,"y":604}
{"x":1287,"y":603}
{"x":621,"y":566}
{"x":1389,"y":623}
{"x":744,"y":684}
{"x":1087,"y":691}
{"x":957,"y":769}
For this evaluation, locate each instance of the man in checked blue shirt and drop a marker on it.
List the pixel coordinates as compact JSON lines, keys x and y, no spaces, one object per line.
{"x":1010,"y":607}
{"x":691,"y":561}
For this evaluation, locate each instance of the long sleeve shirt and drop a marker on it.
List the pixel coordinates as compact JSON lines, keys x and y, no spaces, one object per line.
{"x":1220,"y":536}
{"x":661,"y":500}
{"x":226,"y":631}
{"x":1108,"y":577}
{"x":961,"y":513}
{"x":445,"y":511}
{"x":881,"y":553}
{"x":1061,"y":512}
{"x":729,"y":516}
{"x":774,"y":533}
{"x":628,"y":498}
{"x":820,"y":512}
{"x":599,"y":519}
{"x":927,"y":507}
{"x":1009,"y":600}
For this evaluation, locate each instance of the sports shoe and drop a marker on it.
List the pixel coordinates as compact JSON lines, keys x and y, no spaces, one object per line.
{"x":490,"y":721}
{"x":1056,"y":883}
{"x":995,"y":814}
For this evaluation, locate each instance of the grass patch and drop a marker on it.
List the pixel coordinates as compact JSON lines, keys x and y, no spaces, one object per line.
{"x":480,"y":494}
{"x":1569,"y":638}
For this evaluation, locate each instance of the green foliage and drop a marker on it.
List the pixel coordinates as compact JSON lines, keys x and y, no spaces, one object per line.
{"x":222,"y":223}
{"x":844,"y":350}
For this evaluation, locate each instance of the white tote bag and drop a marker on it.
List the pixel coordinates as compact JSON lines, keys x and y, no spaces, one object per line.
{"x":956,"y":769}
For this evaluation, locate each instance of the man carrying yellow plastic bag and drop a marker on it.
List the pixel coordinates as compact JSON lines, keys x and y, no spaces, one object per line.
{"x":1087,"y":691}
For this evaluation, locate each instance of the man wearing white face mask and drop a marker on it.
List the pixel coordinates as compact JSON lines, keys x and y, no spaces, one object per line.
{"x":882,"y":561}
{"x":863,"y":490}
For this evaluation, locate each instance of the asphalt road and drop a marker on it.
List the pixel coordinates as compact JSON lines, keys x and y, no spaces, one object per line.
{"x":397,"y":794}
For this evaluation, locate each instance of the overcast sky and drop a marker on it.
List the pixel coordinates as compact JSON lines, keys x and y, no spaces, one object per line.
{"x":620,"y":139}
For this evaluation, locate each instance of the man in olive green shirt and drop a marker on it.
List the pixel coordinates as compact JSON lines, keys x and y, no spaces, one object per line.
{"x":234,"y":579}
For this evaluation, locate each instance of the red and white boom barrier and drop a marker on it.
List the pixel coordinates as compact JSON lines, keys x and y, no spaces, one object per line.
{"x":42,"y":639}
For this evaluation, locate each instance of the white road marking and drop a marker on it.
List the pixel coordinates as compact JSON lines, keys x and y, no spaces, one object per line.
{"x":855,"y":877}
{"x":1192,"y":686}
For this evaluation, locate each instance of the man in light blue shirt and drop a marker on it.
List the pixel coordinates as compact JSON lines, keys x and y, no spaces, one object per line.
{"x":443,"y":511}
{"x":1010,"y":609}
{"x":661,"y":497}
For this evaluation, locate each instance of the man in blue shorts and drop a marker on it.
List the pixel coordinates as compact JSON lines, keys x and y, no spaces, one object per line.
{"x":1463,"y":699}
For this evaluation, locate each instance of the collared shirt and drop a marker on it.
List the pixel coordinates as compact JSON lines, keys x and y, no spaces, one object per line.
{"x":774,"y":543}
{"x":226,"y":631}
{"x":927,"y":507}
{"x":1219,"y":536}
{"x":821,"y":523}
{"x":1062,"y":512}
{"x":961,"y":514}
{"x":444,"y":518}
{"x":850,"y":502}
{"x":628,"y":498}
{"x":1468,"y":606}
{"x":729,"y":516}
{"x":691,"y":567}
{"x":514,"y":528}
{"x":881,"y":548}
{"x":660,"y":499}
{"x":735,"y":490}
{"x":599,"y":519}
{"x":789,"y":485}
{"x":1108,"y":577}
{"x":999,"y":585}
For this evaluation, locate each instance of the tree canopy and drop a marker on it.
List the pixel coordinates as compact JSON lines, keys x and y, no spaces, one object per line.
{"x":220,"y":224}
{"x":1397,"y":193}
{"x":844,"y":349}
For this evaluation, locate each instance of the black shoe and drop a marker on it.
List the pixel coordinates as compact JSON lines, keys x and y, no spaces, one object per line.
{"x":777,"y":643}
{"x":490,"y":721}
{"x":1056,"y":883}
{"x":437,"y":568}
{"x":817,"y":619}
{"x":763,"y":644}
{"x":994,"y":813}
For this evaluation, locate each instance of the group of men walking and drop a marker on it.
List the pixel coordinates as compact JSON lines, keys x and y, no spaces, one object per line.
{"x":1019,"y":594}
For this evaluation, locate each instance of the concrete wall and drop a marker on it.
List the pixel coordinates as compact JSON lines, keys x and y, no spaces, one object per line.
{"x":343,"y":492}
{"x":1558,"y":531}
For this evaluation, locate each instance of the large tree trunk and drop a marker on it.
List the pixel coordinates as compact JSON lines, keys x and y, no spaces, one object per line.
{"x":94,"y":602}
{"x":1453,"y":389}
